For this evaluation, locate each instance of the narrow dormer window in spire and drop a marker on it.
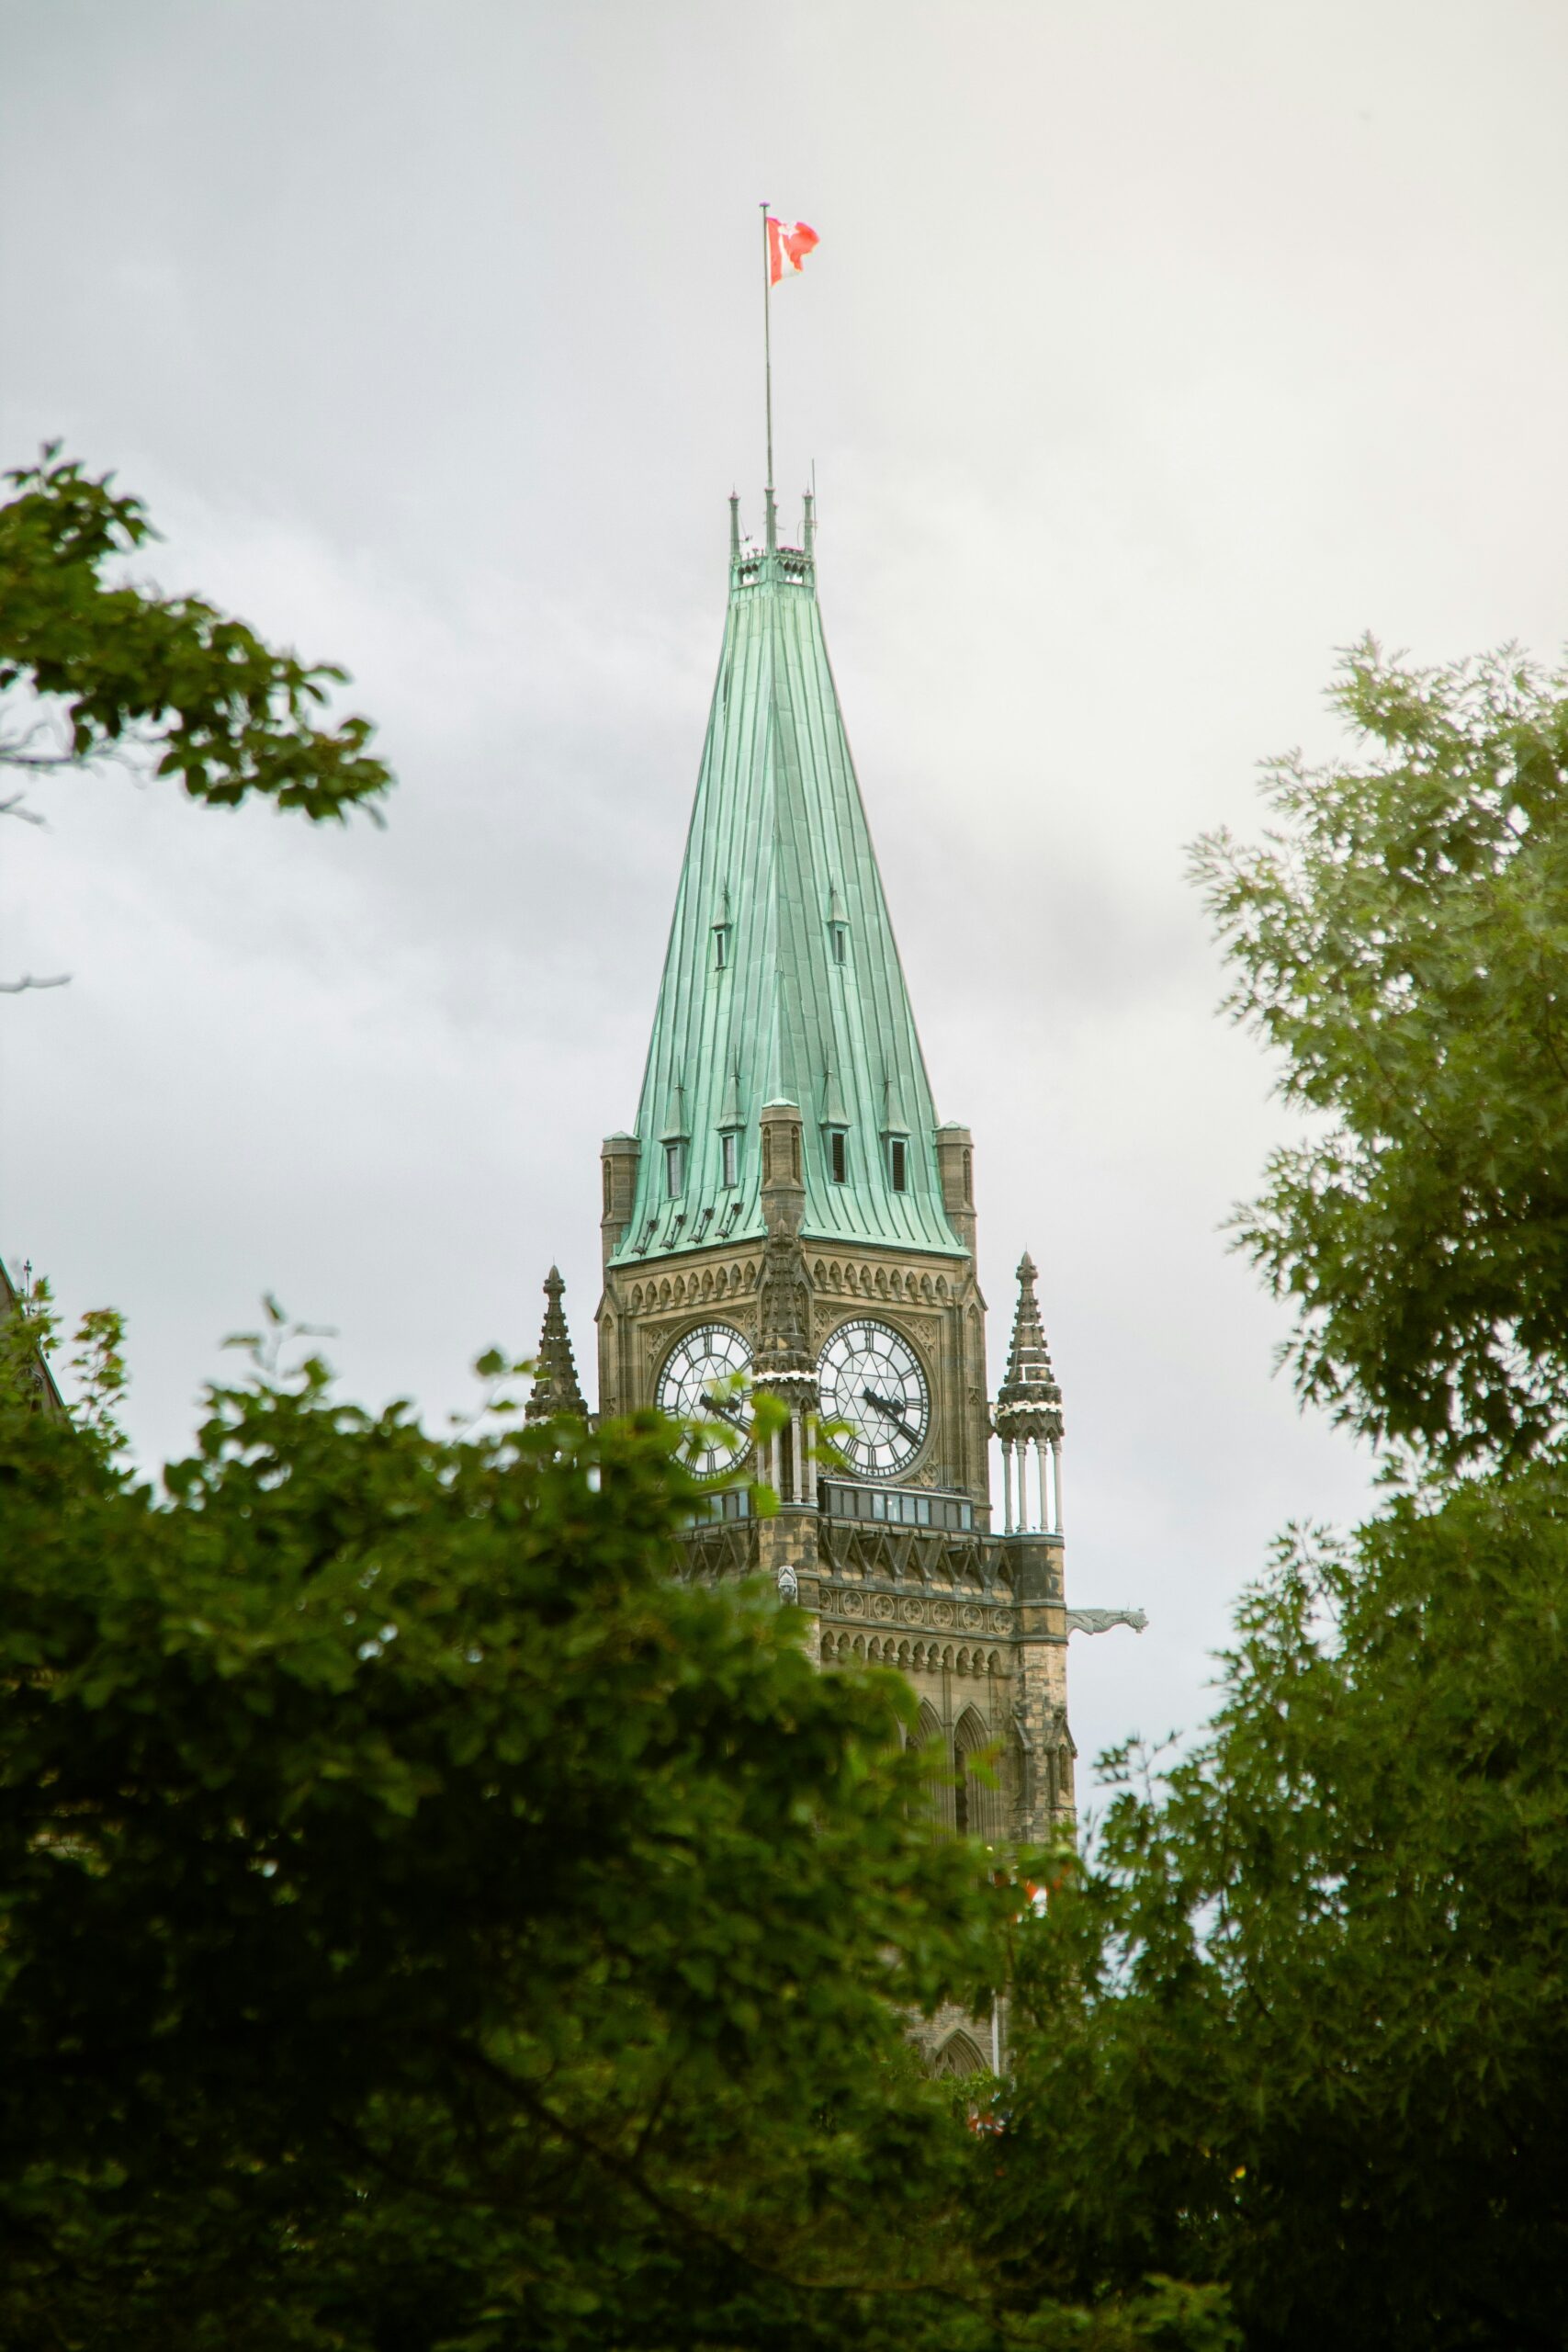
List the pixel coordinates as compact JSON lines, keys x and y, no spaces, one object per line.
{"x":835,"y":1126}
{"x":895,"y":1135}
{"x":838,"y":928}
{"x":722,"y":931}
{"x":731,"y":1120}
{"x":673,"y":1139}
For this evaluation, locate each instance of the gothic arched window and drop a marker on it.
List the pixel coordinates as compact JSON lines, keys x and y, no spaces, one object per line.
{"x":974,"y":1800}
{"x":929,"y":1734}
{"x":958,"y":2055}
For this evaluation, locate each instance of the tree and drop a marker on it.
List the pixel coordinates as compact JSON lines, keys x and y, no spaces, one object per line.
{"x":229,"y":716}
{"x":93,"y":664}
{"x":1303,"y":2023}
{"x":1298,"y":2022}
{"x":1403,"y":938}
{"x":429,"y":1922}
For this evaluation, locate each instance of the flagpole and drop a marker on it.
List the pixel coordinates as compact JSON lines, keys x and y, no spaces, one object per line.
{"x":768,"y":341}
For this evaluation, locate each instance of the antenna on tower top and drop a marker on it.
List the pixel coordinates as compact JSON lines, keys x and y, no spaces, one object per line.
{"x":768,"y":341}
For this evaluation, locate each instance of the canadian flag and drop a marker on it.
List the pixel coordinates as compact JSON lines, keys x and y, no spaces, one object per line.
{"x":789,"y":241}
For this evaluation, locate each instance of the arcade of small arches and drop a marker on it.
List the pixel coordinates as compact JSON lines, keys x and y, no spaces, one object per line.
{"x":881,"y":1281}
{"x":740,"y":1278}
{"x":906,"y":1657}
{"x":984,"y":1778}
{"x":962,"y":1800}
{"x":733,"y":1281}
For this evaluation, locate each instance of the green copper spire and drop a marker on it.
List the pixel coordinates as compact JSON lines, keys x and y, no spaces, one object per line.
{"x":781,"y":982}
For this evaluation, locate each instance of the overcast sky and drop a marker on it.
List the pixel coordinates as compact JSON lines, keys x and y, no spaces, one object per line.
{"x":1150,"y":352}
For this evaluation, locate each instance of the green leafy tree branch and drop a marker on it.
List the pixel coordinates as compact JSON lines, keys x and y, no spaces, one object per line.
{"x":227,"y":715}
{"x":1401,"y":937}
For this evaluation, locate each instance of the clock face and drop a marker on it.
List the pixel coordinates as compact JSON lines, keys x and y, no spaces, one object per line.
{"x":691,"y":1387}
{"x":870,"y":1378}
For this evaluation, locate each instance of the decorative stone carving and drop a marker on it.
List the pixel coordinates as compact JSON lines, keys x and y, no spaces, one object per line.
{"x":1100,"y":1621}
{"x":788,"y":1585}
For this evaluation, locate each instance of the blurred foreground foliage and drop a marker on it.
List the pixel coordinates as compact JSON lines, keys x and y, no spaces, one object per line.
{"x":428,"y":1922}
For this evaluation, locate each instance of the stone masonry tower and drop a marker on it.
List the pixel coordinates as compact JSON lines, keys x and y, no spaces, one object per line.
{"x":788,"y":1214}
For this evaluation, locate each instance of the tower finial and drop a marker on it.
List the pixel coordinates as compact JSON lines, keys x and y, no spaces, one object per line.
{"x":555,"y":1386}
{"x":1028,"y":1420}
{"x":735,"y":526}
{"x":1029,"y":1402}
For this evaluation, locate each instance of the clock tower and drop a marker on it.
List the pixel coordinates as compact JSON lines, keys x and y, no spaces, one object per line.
{"x":788,"y":1212}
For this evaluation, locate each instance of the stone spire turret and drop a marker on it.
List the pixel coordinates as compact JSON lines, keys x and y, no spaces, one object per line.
{"x":555,"y":1383}
{"x":1028,"y":1414}
{"x":1029,"y":1403}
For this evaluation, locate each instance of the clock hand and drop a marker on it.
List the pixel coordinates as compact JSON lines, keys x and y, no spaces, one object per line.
{"x":725,"y":1412}
{"x":891,"y":1412}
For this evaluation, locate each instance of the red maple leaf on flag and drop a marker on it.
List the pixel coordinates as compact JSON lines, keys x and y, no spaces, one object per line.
{"x":789,"y":241}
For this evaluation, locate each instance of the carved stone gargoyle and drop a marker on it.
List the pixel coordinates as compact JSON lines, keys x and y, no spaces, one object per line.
{"x":1100,"y":1621}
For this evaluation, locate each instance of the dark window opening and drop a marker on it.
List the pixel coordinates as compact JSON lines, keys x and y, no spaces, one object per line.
{"x":961,"y":1800}
{"x":968,"y":1176}
{"x":899,"y":1163}
{"x":838,"y":1155}
{"x":721,"y":945}
{"x":840,"y":935}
